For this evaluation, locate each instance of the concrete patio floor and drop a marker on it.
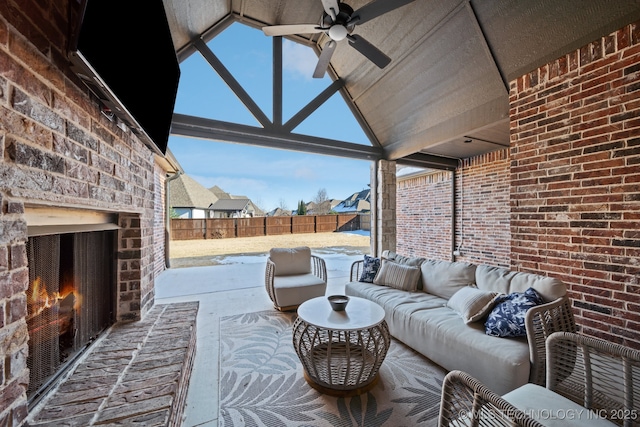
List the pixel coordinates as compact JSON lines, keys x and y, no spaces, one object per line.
{"x":231,"y":288}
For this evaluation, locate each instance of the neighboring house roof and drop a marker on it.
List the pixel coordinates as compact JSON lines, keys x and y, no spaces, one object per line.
{"x":357,"y":202}
{"x":257,"y":211}
{"x":230,"y":205}
{"x":334,"y":202}
{"x":279,"y":212}
{"x":220,"y":193}
{"x":360,"y":195}
{"x":357,"y":206}
{"x":223,"y":195}
{"x":185,"y":192}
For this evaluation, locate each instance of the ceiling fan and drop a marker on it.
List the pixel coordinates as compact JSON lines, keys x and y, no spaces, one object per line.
{"x":338,"y":22}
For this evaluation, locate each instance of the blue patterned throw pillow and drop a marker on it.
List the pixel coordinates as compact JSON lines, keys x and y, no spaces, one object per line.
{"x":369,"y":269}
{"x":507,"y":317}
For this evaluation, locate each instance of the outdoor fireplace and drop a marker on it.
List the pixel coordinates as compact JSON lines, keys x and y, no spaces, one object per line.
{"x":70,"y":300}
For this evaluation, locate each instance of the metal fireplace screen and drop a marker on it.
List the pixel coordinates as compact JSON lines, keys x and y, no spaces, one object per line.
{"x":69,"y":300}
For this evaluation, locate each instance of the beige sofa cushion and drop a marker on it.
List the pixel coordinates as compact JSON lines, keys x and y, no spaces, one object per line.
{"x":403,"y":277}
{"x":438,"y":333}
{"x":505,"y":281}
{"x":394,"y":301}
{"x":471,"y":303}
{"x":422,"y":321}
{"x":290,"y":261}
{"x":444,"y":278}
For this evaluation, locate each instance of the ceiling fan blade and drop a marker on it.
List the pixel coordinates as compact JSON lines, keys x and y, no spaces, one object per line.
{"x":325,"y":58}
{"x":375,"y":9}
{"x":286,"y":30}
{"x":370,"y":51}
{"x":331,"y":7}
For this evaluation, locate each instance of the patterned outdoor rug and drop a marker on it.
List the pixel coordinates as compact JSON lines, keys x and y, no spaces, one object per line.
{"x":262,"y":383}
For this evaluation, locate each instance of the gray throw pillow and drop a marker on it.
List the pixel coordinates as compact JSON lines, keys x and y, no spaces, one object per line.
{"x":472,"y":304}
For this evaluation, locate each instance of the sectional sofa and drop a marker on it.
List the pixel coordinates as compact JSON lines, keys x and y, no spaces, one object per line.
{"x":445,"y":311}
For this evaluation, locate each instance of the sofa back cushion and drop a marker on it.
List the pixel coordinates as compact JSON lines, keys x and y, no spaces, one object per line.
{"x":505,"y":281}
{"x":404,"y":260}
{"x":445,"y":278}
{"x":290,"y":261}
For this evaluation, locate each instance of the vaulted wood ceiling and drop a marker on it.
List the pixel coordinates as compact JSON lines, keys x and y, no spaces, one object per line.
{"x":448,"y":80}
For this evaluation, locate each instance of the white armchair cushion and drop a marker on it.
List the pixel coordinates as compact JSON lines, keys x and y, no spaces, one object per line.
{"x":551,"y":409}
{"x":290,"y":261}
{"x":292,"y":290}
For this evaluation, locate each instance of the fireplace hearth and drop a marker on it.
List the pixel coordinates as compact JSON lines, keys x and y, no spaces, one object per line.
{"x":70,"y":301}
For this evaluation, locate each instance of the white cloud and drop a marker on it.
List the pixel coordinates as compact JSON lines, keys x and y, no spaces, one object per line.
{"x":306,"y":173}
{"x":298,"y":59}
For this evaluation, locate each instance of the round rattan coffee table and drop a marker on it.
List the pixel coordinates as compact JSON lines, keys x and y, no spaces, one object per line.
{"x":341,"y":351}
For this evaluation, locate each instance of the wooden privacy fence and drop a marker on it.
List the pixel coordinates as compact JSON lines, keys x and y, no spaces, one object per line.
{"x":223,"y":228}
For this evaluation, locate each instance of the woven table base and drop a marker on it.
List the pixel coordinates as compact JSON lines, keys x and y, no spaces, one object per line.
{"x":341,"y":362}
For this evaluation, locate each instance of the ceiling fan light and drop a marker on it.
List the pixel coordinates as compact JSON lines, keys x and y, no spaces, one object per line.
{"x":338,"y":32}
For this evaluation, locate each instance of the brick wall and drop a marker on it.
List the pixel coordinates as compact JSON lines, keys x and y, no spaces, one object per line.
{"x":482,"y":212}
{"x":58,"y":150}
{"x":482,"y":209}
{"x":564,"y":201}
{"x":575,"y":180}
{"x":424,"y":215}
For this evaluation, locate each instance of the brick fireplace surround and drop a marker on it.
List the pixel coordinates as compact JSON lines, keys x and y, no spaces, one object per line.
{"x":59,"y":153}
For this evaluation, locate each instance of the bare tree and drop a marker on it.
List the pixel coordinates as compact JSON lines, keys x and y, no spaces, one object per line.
{"x":282,"y":204}
{"x":322,"y":202}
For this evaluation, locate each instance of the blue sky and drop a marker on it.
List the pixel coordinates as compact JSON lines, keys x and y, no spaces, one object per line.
{"x":268,"y":177}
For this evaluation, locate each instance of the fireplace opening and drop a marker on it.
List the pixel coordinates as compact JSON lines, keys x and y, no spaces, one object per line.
{"x":70,"y":301}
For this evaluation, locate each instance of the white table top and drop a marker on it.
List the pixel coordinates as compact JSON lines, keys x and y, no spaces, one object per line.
{"x":359,"y":314}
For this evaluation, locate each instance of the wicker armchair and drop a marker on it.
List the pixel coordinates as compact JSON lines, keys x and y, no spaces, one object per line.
{"x":589,"y":381}
{"x":542,"y":321}
{"x":293,"y":275}
{"x":601,"y":376}
{"x":467,"y":402}
{"x":356,"y":270}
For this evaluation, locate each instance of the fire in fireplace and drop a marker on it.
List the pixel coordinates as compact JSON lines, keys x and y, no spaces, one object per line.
{"x":70,"y":300}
